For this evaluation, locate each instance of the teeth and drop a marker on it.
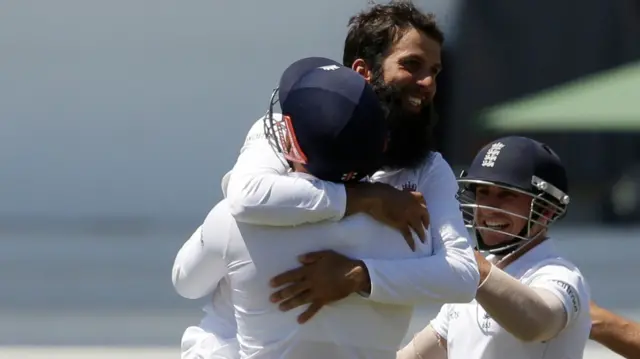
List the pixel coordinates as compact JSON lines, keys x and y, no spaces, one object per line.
{"x":415,"y":101}
{"x":496,"y":225}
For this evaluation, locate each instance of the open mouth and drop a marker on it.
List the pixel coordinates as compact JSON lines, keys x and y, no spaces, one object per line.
{"x":495,"y":225}
{"x":415,"y":101}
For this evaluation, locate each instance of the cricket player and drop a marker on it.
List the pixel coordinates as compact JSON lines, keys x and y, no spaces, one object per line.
{"x":618,"y":334}
{"x":531,"y":303}
{"x":396,"y":48}
{"x":333,"y":128}
{"x":259,"y":192}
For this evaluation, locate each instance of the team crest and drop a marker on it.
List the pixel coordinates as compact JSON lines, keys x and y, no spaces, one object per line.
{"x":492,"y":154}
{"x":409,"y":186}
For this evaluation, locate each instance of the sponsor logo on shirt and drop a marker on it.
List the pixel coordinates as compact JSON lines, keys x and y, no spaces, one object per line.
{"x":575,"y":301}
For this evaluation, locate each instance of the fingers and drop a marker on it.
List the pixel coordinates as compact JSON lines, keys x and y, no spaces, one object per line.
{"x":408,"y":237}
{"x":292,"y":276}
{"x":426,"y":219}
{"x":419,"y":229}
{"x":294,"y":302}
{"x":313,"y":309}
{"x":418,"y":196}
{"x":288,"y":292}
{"x":312,"y":257}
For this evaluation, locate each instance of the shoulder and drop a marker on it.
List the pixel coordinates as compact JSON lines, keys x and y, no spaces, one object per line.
{"x":556,"y":267}
{"x":436,"y":165}
{"x":257,"y":130}
{"x":436,"y":177}
{"x":563,"y":278}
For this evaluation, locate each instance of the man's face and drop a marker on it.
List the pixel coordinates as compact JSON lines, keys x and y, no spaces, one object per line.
{"x":412,"y":66}
{"x":405,"y":82}
{"x":503,"y":202}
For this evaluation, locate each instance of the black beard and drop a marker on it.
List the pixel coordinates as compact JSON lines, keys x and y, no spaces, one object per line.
{"x":411,"y":134}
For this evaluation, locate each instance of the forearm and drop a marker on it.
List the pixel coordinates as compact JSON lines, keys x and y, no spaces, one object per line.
{"x":280,"y":200}
{"x":448,"y":276}
{"x":425,"y":345}
{"x":361,"y":198}
{"x":528,"y":314}
{"x":616,"y":333}
{"x":259,"y":191}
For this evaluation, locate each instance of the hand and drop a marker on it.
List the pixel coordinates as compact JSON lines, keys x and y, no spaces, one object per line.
{"x":324,"y":277}
{"x":403,"y":210}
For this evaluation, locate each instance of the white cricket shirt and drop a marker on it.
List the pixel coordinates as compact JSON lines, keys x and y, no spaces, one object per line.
{"x":215,"y":336}
{"x":259,"y":193}
{"x":472,"y":334}
{"x":250,"y":255}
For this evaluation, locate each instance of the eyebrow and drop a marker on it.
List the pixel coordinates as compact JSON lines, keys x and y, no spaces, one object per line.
{"x":423,"y":59}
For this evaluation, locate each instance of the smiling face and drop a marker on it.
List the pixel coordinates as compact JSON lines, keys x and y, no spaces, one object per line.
{"x":405,"y":81}
{"x":412,"y":66}
{"x":502,"y":210}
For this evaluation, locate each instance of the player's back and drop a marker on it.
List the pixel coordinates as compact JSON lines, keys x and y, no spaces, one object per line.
{"x":351,"y":328}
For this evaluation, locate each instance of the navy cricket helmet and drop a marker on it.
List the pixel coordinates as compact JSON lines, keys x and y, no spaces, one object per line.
{"x":332,"y":121}
{"x":522,"y":165}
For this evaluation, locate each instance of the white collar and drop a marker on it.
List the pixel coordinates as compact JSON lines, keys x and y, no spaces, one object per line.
{"x":534,"y":255}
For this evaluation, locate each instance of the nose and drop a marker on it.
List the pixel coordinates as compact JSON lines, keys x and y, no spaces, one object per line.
{"x":487,"y":206}
{"x":427,"y":85}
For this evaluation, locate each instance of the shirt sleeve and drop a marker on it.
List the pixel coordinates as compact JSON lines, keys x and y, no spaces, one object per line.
{"x":567,"y":284}
{"x":259,"y":192}
{"x":451,"y":274}
{"x":440,"y":323}
{"x":196,"y":270}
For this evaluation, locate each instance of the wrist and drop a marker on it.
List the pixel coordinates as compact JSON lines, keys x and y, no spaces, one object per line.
{"x":484,"y":266}
{"x":359,"y":198}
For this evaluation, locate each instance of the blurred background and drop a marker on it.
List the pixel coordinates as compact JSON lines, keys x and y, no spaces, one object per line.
{"x":119,"y":118}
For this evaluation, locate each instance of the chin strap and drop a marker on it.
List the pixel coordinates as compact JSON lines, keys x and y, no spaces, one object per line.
{"x":511,"y":257}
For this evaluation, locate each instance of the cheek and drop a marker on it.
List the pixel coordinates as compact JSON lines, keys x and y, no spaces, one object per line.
{"x":393,"y":75}
{"x":518,"y":223}
{"x":522,"y":214}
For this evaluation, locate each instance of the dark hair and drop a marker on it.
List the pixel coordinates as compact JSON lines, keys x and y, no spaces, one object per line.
{"x":373,"y":32}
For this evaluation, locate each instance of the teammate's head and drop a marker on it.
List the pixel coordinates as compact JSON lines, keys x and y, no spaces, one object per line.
{"x":514,"y":189}
{"x":397,"y":49}
{"x":333,"y":125}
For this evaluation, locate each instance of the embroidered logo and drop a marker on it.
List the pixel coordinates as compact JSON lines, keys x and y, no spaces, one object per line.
{"x":329,"y":67}
{"x":492,"y":154}
{"x":349,"y":176}
{"x":409,"y":186}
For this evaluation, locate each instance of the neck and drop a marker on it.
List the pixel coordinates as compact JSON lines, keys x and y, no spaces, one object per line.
{"x":521,"y":250}
{"x":298,"y":167}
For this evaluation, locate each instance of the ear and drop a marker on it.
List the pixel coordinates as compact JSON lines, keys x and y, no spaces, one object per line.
{"x":361,"y":67}
{"x":547,"y":214}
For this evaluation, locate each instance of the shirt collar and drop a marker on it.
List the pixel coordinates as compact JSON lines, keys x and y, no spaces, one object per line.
{"x":534,"y":255}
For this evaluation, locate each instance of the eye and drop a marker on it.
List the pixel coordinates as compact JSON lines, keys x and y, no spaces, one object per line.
{"x":411,"y":65}
{"x":482,"y":191}
{"x":507,"y":195}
